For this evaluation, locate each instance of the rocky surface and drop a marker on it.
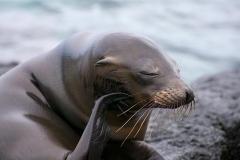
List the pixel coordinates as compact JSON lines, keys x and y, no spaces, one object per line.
{"x":212,"y":132}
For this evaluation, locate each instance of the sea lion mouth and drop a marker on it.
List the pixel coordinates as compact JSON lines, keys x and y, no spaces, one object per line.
{"x":170,"y":98}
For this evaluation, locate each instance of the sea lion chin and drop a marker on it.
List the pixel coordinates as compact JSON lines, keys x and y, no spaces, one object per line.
{"x":48,"y":102}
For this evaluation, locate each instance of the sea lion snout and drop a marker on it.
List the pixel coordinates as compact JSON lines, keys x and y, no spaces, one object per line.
{"x":189,"y":95}
{"x":174,"y":96}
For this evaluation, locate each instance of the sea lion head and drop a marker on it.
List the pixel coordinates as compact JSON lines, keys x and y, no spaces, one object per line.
{"x":135,"y":65}
{"x":132,"y":64}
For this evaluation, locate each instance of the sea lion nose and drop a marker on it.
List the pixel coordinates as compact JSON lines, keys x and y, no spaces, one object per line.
{"x":189,"y":96}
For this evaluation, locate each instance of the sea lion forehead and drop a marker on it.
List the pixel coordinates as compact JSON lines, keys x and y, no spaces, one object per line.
{"x":123,"y":47}
{"x":123,"y":43}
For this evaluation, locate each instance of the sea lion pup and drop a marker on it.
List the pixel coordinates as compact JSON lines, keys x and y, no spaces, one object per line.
{"x":47,"y":102}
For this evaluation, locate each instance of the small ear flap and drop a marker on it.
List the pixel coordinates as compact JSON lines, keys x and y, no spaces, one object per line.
{"x":104,"y":61}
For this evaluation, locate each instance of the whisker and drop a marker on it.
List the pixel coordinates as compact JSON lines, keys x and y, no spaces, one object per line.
{"x":132,"y":117}
{"x":167,"y":116}
{"x":164,"y":123}
{"x":180,"y":109}
{"x":177,"y":111}
{"x":132,"y":107}
{"x":170,"y":112}
{"x":185,"y":110}
{"x":149,"y":111}
{"x":195,"y":95}
{"x":158,"y":117}
{"x":134,"y":126}
{"x":190,"y":109}
{"x":174,"y":113}
{"x":194,"y":104}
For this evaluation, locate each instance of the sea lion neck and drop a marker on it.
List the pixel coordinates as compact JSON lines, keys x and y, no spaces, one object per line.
{"x":76,"y":75}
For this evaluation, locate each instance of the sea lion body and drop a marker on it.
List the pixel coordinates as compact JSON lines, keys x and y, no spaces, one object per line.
{"x":47,"y":101}
{"x":30,"y":129}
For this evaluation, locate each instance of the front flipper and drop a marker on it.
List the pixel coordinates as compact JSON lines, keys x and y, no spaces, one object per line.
{"x":131,"y":150}
{"x":96,"y":133}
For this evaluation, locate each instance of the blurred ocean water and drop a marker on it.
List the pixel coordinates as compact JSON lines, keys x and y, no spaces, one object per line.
{"x":203,"y":36}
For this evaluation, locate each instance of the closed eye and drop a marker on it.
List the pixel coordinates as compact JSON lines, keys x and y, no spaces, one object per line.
{"x":148,"y":73}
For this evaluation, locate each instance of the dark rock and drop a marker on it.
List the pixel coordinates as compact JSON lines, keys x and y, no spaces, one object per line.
{"x":212,"y":132}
